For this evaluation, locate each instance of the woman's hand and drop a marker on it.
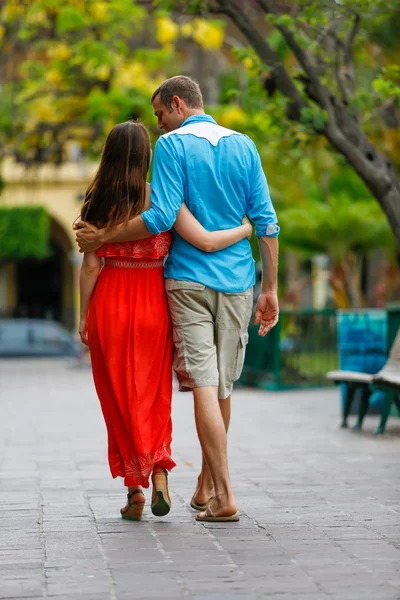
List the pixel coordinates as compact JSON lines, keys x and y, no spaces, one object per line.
{"x":249,"y":226}
{"x":83,"y":332}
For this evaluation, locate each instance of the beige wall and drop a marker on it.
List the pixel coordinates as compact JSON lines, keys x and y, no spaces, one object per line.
{"x":59,"y":190}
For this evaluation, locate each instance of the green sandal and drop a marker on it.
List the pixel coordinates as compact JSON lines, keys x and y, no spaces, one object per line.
{"x":160,"y":500}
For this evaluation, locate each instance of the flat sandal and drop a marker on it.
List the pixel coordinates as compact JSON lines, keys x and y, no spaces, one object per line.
{"x":195,"y":505}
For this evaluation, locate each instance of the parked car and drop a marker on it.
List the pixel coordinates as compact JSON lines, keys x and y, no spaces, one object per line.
{"x":35,"y":338}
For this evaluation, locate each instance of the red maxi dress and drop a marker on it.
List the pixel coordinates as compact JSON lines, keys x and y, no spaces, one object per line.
{"x":130,"y":340}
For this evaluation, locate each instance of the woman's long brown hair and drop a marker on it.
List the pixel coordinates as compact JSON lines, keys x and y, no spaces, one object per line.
{"x":118,"y":190}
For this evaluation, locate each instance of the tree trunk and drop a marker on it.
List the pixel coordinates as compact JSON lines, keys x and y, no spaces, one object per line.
{"x":346,"y":136}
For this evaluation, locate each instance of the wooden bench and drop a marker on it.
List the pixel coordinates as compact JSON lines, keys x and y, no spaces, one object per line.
{"x":387,"y":379}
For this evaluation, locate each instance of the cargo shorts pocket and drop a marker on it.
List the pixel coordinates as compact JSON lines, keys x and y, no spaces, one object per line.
{"x":240,"y":354}
{"x":236,"y":310}
{"x":185,"y":300}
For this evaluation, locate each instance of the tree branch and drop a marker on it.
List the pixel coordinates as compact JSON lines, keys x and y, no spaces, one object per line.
{"x":318,"y":89}
{"x":348,"y":55}
{"x":282,"y":78}
{"x":352,"y":36}
{"x":338,"y":76}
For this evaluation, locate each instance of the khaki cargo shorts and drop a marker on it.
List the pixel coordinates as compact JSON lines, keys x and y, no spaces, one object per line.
{"x":210,"y":334}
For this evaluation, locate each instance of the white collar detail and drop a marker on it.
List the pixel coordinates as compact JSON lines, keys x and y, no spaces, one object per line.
{"x":209,"y":131}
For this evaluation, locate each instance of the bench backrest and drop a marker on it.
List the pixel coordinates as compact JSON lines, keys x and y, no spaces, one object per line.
{"x":393,"y":362}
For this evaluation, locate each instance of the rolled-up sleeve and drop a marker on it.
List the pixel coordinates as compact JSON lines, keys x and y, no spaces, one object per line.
{"x":259,"y":204}
{"x":167,"y":188}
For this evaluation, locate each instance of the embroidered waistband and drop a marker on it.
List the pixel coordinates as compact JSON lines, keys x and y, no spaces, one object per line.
{"x":133,"y":263}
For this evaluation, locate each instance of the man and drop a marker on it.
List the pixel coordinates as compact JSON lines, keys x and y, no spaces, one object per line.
{"x":217,"y":172}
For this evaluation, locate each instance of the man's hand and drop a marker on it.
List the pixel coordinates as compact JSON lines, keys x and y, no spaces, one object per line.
{"x":88,"y":237}
{"x":267,"y":312}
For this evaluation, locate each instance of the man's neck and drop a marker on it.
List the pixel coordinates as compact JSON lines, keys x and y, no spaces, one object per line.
{"x":194,"y":112}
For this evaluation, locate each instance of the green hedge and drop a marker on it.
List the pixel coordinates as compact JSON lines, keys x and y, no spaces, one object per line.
{"x":24,"y":232}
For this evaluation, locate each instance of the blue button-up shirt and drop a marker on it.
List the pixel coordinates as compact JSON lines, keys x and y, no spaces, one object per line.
{"x":217,"y":172}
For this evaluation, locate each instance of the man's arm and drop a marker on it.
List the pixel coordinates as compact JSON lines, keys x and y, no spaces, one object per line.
{"x":262,"y":213}
{"x":89,"y":237}
{"x":267,"y":309}
{"x":167,"y":194}
{"x":167,"y":188}
{"x":259,"y":204}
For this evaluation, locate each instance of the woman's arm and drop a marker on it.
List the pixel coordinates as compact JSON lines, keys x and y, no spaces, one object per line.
{"x":90,"y":270}
{"x":193,"y":232}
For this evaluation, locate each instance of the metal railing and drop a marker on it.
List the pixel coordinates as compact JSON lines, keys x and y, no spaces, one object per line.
{"x":296,"y":353}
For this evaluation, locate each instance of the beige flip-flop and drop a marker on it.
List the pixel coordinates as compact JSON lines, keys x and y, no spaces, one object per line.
{"x":200,"y":507}
{"x":195,"y":505}
{"x":211,"y":518}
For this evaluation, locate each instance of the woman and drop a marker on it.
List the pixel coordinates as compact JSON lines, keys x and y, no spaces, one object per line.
{"x":125,"y":319}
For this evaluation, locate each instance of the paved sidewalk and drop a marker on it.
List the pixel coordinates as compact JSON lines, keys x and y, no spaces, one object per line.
{"x":320,"y":513}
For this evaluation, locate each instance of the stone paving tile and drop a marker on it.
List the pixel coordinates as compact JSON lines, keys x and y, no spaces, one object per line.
{"x":79,"y":595}
{"x":320,"y":515}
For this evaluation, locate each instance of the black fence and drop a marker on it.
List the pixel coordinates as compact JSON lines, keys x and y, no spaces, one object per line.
{"x":296,"y":353}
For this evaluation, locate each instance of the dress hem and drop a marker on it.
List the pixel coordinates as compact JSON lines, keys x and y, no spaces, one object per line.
{"x":138,"y":471}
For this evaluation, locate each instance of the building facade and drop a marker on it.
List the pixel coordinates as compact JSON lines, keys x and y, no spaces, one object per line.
{"x":46,"y":288}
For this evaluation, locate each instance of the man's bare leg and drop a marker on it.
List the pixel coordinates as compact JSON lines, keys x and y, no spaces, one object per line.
{"x":212,"y":435}
{"x":205,"y":484}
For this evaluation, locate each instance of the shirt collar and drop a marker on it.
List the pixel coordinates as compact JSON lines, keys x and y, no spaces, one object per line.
{"x":199,"y":119}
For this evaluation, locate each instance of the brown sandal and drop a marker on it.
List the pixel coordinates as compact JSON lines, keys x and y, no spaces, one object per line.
{"x":133,"y":510}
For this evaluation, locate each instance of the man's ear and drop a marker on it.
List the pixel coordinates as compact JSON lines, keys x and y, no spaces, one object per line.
{"x":177,"y":102}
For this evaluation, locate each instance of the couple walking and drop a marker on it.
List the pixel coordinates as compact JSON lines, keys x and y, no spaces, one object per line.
{"x":205,"y":180}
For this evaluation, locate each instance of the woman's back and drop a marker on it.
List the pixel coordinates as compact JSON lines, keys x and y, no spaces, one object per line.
{"x":154,"y":247}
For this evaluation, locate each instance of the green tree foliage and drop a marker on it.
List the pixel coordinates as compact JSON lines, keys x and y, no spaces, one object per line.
{"x":24,"y":232}
{"x":71,"y":69}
